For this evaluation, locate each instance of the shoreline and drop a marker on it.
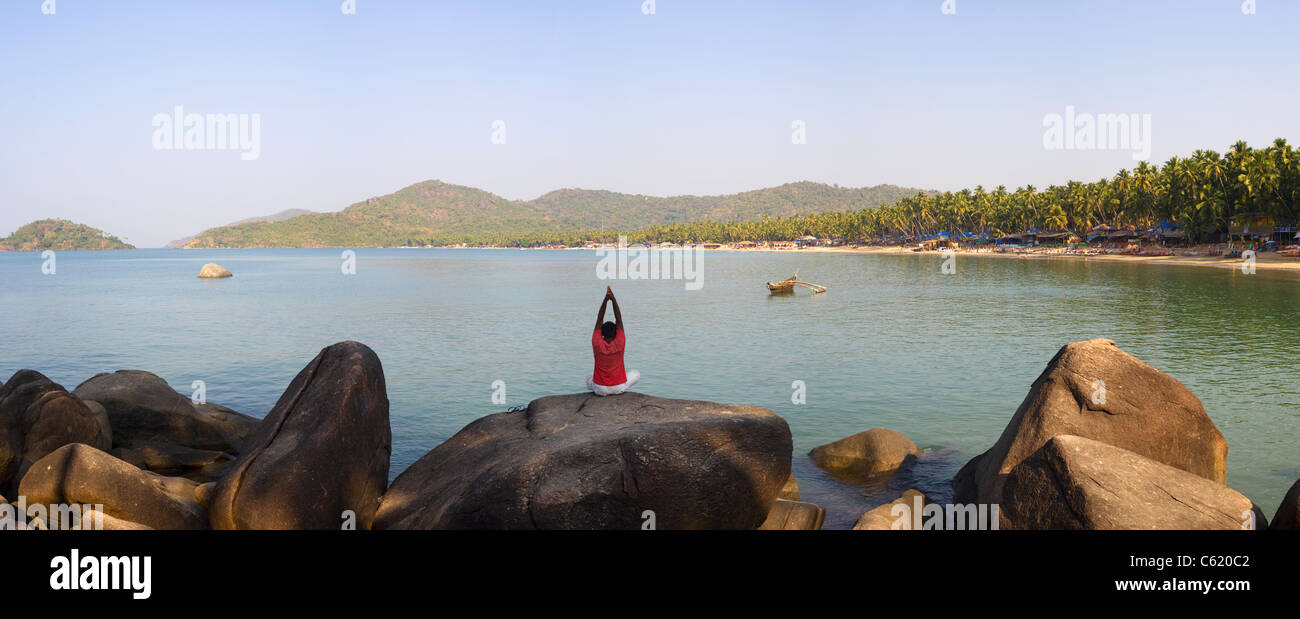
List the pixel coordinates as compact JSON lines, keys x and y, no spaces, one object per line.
{"x":1263,"y":260}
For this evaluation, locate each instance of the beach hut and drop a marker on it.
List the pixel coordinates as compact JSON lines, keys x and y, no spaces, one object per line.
{"x":1055,"y":238}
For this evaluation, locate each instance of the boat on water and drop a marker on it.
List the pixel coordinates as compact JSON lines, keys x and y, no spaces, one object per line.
{"x":786,"y":286}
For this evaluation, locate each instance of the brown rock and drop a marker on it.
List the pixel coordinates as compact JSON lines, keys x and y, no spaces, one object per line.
{"x":790,"y":491}
{"x":587,"y":462}
{"x":875,"y":451}
{"x":1287,"y":517}
{"x":1078,"y":483}
{"x":793,"y":516}
{"x":82,"y":475}
{"x":323,"y":450}
{"x":38,"y":416}
{"x":1143,"y":410}
{"x":177,"y":460}
{"x":203,"y":494}
{"x":885,"y":518}
{"x":94,"y":520}
{"x":144,"y":410}
{"x":212,"y":270}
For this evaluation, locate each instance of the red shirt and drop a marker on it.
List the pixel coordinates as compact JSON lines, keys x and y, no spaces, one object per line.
{"x":609,"y":359}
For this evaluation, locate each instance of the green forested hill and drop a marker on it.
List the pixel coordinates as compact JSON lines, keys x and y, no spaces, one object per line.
{"x":59,"y":235}
{"x":437,"y":213}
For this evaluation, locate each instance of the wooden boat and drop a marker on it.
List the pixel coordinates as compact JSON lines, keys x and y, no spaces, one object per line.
{"x":786,"y":286}
{"x":782,"y":287}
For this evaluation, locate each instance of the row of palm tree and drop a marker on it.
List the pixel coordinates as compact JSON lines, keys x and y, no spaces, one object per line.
{"x":1202,"y":193}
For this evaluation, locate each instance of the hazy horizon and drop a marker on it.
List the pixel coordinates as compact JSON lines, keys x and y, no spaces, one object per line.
{"x":693,"y":99}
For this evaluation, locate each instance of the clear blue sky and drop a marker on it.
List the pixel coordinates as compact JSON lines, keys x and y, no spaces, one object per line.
{"x":697,"y":98}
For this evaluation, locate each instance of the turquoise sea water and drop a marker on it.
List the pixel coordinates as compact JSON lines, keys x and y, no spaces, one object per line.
{"x":945,"y":359}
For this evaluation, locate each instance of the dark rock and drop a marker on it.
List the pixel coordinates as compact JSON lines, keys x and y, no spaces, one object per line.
{"x":586,"y":462}
{"x":78,"y":474}
{"x":873,"y":452}
{"x":1078,"y":483}
{"x":794,"y":516}
{"x":1287,"y":517}
{"x":38,"y":416}
{"x":885,"y":517}
{"x":176,"y":460}
{"x":1143,"y":410}
{"x":144,"y":409}
{"x":323,"y":450}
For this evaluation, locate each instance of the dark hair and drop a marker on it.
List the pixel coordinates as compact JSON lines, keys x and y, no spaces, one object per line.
{"x":608,"y":330}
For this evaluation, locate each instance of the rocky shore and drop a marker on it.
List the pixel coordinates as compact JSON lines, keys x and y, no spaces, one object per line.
{"x":1102,"y":441}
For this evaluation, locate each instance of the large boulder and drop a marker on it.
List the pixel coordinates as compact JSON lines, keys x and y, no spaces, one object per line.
{"x":873,"y":452}
{"x":213,"y":270}
{"x":1287,"y":517}
{"x":793,"y":516}
{"x":1073,"y":482}
{"x":81,"y":475}
{"x":587,"y":462}
{"x":145,"y":410}
{"x":1095,"y":390}
{"x":38,"y":416}
{"x":891,"y":516}
{"x":322,"y":451}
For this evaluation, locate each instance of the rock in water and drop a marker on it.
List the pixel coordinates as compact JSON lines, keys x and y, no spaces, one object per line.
{"x":323,"y":450}
{"x":886,"y":517}
{"x":82,"y":475}
{"x":794,"y":516}
{"x":213,"y":271}
{"x":1078,"y":483}
{"x":38,"y":416}
{"x":144,"y":410}
{"x":875,"y":451}
{"x":586,"y":462}
{"x":1287,"y":517}
{"x":1095,"y":390}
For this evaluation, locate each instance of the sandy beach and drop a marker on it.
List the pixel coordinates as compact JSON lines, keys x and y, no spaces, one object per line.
{"x":1263,"y":260}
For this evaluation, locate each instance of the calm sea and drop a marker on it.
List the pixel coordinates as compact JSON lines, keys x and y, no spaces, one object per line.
{"x":945,"y":359}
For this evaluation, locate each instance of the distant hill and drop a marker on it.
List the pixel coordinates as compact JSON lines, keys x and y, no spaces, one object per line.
{"x":437,"y":213}
{"x":59,"y":235}
{"x":281,"y":216}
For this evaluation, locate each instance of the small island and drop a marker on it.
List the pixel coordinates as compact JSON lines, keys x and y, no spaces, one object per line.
{"x":60,"y":235}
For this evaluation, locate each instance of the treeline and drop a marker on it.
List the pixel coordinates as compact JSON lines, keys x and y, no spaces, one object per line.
{"x":436,"y":213}
{"x":1202,"y":193}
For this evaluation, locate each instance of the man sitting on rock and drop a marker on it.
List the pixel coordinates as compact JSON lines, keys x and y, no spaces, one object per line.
{"x":607,"y":343}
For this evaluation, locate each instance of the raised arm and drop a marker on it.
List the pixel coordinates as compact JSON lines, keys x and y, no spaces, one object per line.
{"x":618,"y":316}
{"x":600,"y":318}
